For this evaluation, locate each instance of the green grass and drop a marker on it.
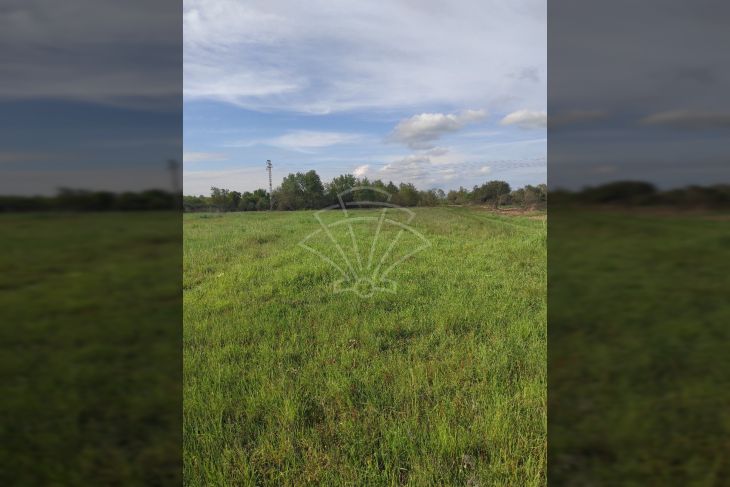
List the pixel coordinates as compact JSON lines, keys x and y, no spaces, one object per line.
{"x":441,"y":383}
{"x":90,"y":349}
{"x":638,"y":349}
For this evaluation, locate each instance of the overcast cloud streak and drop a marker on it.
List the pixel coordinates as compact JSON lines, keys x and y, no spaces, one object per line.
{"x":323,"y":57}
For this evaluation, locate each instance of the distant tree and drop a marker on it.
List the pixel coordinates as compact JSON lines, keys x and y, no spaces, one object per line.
{"x":391,"y":188}
{"x":300,"y":191}
{"x":379,"y":184}
{"x":630,"y":192}
{"x":529,"y":196}
{"x":290,"y":195}
{"x":338,"y":186}
{"x":492,"y":191}
{"x":195,"y":203}
{"x":219,"y":198}
{"x":313,"y":190}
{"x":458,"y":197}
{"x":364,"y":191}
{"x":517,"y":197}
{"x":428,"y":198}
{"x":382,"y":193}
{"x":248,"y":202}
{"x":532,"y":195}
{"x":407,"y":195}
{"x":261,"y":199}
{"x":374,"y":191}
{"x":234,"y":200}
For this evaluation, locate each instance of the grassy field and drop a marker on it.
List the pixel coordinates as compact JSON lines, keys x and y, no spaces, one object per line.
{"x":90,"y":349}
{"x":442,"y":382}
{"x":638,"y":348}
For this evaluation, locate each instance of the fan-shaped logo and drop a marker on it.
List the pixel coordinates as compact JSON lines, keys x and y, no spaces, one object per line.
{"x":364,"y":237}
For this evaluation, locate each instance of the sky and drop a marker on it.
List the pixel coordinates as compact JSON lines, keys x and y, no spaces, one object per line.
{"x":438,"y":94}
{"x":441,"y":94}
{"x":641,"y":96}
{"x":90,"y":95}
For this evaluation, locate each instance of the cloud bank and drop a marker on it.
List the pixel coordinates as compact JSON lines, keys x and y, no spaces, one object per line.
{"x":326,"y":57}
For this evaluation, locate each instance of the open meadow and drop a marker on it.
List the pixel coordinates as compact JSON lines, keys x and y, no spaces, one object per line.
{"x":442,"y":381}
{"x":90,"y":348}
{"x":639,"y":360}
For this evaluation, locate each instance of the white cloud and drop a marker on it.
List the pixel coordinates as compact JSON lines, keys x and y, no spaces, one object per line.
{"x":302,"y":140}
{"x":361,"y":171}
{"x":419,"y":131}
{"x":437,"y":151}
{"x":423,"y":170}
{"x":409,"y":168}
{"x":526,"y":119}
{"x":191,"y":157}
{"x":324,"y":57}
{"x":480,"y":134}
{"x":461,"y":168}
{"x":219,"y":82}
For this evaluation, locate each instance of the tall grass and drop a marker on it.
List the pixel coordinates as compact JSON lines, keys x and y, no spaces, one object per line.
{"x":639,"y":361}
{"x":288,"y":383}
{"x":90,"y":349}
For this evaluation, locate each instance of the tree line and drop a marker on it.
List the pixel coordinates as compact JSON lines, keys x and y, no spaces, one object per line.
{"x":306,"y":191}
{"x":85,"y":200}
{"x":640,"y":193}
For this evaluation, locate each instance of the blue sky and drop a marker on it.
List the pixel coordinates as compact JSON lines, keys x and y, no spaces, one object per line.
{"x":433,"y":93}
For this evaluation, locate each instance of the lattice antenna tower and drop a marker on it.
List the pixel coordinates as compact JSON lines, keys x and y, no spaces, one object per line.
{"x":271,"y":189}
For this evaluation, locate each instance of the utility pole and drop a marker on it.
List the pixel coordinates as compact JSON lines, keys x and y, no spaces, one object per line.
{"x":271,"y":190}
